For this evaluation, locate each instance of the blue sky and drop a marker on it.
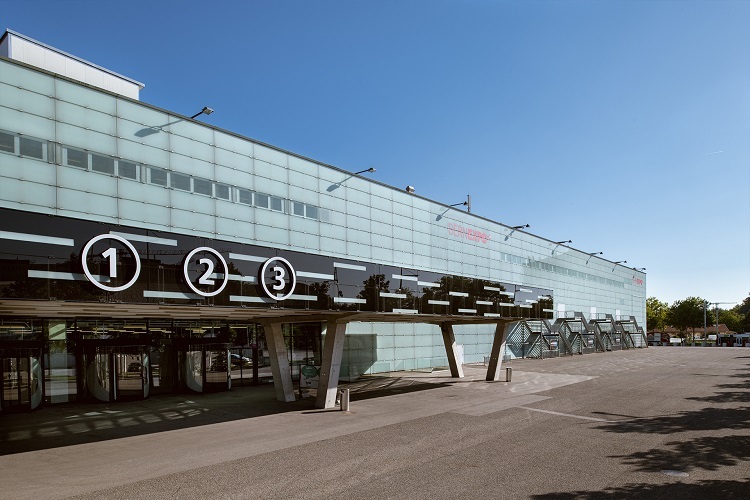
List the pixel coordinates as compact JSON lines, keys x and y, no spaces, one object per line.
{"x":622,"y":125}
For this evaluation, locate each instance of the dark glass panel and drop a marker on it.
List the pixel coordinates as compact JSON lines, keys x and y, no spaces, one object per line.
{"x":32,"y":148}
{"x":102,"y":164}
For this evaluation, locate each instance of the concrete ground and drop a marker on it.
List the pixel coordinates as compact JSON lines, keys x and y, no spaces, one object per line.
{"x":662,"y":422}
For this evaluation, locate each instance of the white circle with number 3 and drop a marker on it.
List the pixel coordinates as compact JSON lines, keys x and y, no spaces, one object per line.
{"x":110,"y":254}
{"x":206,"y":278}
{"x":280,"y":278}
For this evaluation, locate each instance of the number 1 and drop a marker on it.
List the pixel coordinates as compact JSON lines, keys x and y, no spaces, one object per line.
{"x":111,"y":255}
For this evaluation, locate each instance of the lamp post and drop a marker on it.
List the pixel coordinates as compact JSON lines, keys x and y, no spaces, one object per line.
{"x":205,"y":111}
{"x":466,"y":203}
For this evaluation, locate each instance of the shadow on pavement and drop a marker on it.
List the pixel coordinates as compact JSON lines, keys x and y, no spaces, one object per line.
{"x":705,"y":453}
{"x":682,"y":490}
{"x":76,"y":423}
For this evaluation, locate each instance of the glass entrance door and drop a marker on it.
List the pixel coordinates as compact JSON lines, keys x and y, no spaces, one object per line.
{"x":116,"y":372}
{"x":21,"y":376}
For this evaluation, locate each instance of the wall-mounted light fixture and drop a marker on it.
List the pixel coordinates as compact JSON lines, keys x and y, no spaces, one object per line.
{"x":621,"y":262}
{"x":409,"y":189}
{"x":563,"y":242}
{"x":639,"y":269}
{"x":205,"y":111}
{"x":522,"y":227}
{"x":369,"y":170}
{"x":596,"y":253}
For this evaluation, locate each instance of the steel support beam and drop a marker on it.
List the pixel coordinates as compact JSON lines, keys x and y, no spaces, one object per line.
{"x":449,"y":339}
{"x":333,"y":351}
{"x":502,"y":330}
{"x":282,"y":373}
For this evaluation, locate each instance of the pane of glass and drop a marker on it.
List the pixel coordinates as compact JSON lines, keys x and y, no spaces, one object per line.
{"x":261,"y":200}
{"x":7,"y":143}
{"x":179,"y":181}
{"x":32,"y":147}
{"x":102,"y":164}
{"x":277,"y":204}
{"x":77,"y":158}
{"x":312,"y":212}
{"x":246,"y":197}
{"x":157,"y":176}
{"x":222,"y":191}
{"x":127,"y":169}
{"x":298,"y":209}
{"x":202,"y":186}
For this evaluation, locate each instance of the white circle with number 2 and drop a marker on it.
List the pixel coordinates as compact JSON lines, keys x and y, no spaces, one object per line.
{"x":206,"y":278}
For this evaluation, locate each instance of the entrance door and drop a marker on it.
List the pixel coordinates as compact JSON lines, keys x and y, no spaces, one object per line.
{"x":115,"y":373}
{"x":22,"y":388}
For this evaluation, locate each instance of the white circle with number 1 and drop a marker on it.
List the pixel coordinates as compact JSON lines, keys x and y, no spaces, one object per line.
{"x":280,"y":278}
{"x":111,"y":255}
{"x":206,"y":278}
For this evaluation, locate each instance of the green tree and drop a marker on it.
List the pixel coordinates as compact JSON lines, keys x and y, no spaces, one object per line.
{"x":732,"y":319}
{"x":686,"y":315}
{"x":656,"y":314}
{"x":743,"y":310}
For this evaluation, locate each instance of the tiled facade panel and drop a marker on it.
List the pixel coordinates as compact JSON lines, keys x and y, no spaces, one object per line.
{"x":323,"y":210}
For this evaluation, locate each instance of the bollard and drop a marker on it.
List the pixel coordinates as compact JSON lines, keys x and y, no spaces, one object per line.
{"x":508,"y":373}
{"x":344,"y":395}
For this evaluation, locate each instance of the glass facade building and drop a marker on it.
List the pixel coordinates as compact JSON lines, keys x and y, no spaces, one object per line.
{"x":140,"y":249}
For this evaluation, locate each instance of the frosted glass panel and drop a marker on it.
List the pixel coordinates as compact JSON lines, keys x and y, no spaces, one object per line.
{"x":24,"y":123}
{"x":186,"y":146}
{"x":137,"y":213}
{"x":15,"y":167}
{"x":86,"y":118}
{"x":235,"y":228}
{"x":29,"y":102}
{"x":270,"y":155}
{"x":190,"y":130}
{"x":86,"y":139}
{"x":144,"y":193}
{"x":234,"y":144}
{"x":152,"y":136}
{"x":272,"y":235}
{"x":27,"y":79}
{"x":75,"y":179}
{"x":83,"y":96}
{"x":191,"y":202}
{"x":26,"y":192}
{"x":87,"y":203}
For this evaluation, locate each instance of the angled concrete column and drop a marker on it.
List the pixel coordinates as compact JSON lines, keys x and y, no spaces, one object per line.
{"x":450,"y":350}
{"x":333,"y":351}
{"x":282,"y":374}
{"x":498,"y":347}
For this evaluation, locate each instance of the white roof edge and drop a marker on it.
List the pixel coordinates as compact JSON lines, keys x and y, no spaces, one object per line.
{"x":63,"y":53}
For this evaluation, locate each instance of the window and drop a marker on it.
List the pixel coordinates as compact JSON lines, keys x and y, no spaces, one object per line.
{"x":102,"y":164}
{"x":75,"y":158}
{"x":298,"y":209}
{"x":179,"y":181}
{"x":311,"y":212}
{"x":261,"y":200}
{"x":277,"y":204}
{"x":222,"y":191}
{"x":246,"y":197}
{"x":7,"y":142}
{"x":127,"y":170}
{"x":157,"y":176}
{"x":202,"y":186}
{"x":32,"y":148}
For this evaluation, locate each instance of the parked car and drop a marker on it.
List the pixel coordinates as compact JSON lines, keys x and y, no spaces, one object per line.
{"x":238,"y":360}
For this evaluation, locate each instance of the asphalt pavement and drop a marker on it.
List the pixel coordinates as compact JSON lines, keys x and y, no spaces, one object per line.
{"x":662,"y":422}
